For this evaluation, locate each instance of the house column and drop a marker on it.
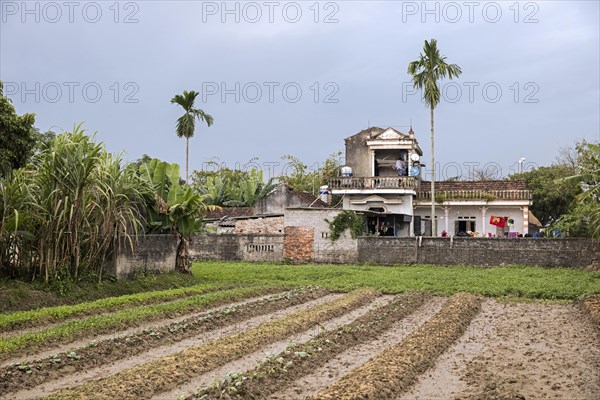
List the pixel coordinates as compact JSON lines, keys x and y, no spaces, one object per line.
{"x":483,"y":221}
{"x":372,"y":161}
{"x":525,"y":220}
{"x":446,"y":212}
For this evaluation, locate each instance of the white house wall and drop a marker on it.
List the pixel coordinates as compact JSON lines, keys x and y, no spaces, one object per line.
{"x":456,"y":211}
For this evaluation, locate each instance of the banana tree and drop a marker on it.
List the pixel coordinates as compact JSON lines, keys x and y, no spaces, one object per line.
{"x":173,"y":208}
{"x":250,"y":190}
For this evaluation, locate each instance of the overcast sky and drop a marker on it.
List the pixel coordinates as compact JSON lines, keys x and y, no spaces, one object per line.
{"x":298,"y":77}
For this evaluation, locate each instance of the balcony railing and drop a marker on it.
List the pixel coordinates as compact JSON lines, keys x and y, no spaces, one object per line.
{"x":375,"y":182}
{"x":490,"y":195}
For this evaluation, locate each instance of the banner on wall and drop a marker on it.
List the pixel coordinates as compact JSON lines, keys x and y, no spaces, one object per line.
{"x":500,"y":222}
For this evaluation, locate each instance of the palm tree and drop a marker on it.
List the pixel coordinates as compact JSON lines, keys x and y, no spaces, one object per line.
{"x":426,"y":71}
{"x":186,"y":124}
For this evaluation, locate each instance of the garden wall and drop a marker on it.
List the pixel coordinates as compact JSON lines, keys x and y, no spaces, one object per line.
{"x":156,"y":253}
{"x":237,"y":247}
{"x":478,"y":251}
{"x":151,"y":254}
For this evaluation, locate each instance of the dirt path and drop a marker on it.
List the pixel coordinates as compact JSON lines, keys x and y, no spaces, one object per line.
{"x":518,"y":351}
{"x":68,"y":346}
{"x":345,"y":362}
{"x":78,"y":378}
{"x":249,"y":361}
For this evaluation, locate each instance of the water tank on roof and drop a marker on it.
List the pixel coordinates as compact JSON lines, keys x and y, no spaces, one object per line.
{"x":346,"y":171}
{"x":324,"y":193}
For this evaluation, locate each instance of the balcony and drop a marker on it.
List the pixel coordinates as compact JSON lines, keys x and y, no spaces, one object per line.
{"x":488,"y":195}
{"x":375,"y":182}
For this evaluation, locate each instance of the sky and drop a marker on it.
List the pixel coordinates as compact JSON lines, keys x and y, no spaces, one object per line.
{"x":283,"y":77}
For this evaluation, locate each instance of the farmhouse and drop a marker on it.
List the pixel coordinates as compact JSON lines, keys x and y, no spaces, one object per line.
{"x":383,"y":176}
{"x":266,"y":217}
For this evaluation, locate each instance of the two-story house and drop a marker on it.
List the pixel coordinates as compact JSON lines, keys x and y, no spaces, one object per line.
{"x":382,"y":178}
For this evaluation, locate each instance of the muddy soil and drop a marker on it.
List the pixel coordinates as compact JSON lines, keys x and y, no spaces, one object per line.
{"x":249,"y":361}
{"x":339,"y":366}
{"x":518,"y":351}
{"x":68,"y":345}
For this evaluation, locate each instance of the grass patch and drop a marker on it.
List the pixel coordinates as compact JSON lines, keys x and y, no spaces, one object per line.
{"x":76,"y":329}
{"x":21,"y":319}
{"x":506,"y":282}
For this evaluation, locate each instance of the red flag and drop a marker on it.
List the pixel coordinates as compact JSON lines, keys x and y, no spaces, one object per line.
{"x":500,"y":222}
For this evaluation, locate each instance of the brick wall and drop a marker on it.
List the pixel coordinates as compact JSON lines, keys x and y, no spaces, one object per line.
{"x":478,"y":251}
{"x":343,"y":250}
{"x":298,"y":244}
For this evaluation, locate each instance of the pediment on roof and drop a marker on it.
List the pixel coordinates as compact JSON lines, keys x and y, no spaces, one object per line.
{"x":390,"y":134}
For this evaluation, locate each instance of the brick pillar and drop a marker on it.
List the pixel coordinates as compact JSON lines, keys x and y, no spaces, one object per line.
{"x":298,"y":244}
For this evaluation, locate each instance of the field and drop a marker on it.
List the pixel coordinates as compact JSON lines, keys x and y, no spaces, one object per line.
{"x":262,"y":331}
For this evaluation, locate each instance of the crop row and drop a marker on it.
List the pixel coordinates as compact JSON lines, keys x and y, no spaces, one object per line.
{"x":396,"y":368}
{"x":24,"y":319}
{"x":29,"y":374}
{"x":280,"y":370}
{"x":591,"y":305}
{"x":167,"y":373}
{"x":80,"y":328}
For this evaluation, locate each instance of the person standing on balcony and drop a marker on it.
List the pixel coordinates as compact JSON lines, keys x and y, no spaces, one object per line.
{"x":401,"y":167}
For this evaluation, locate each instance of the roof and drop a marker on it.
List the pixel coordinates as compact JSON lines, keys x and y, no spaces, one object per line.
{"x":375,"y":130}
{"x":307,"y":199}
{"x":229,"y":212}
{"x":471,"y":190}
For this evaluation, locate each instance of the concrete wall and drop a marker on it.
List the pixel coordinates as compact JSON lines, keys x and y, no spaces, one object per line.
{"x":152,"y":253}
{"x":343,"y":250}
{"x":357,"y":154}
{"x":236,"y":247}
{"x":156,"y":253}
{"x":260,"y":225}
{"x":478,"y":251}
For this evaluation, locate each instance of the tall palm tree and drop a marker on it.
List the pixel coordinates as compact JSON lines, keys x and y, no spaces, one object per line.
{"x":426,"y":71}
{"x":186,"y":124}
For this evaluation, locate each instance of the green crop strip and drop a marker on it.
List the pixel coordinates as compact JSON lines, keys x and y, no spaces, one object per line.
{"x":76,"y":329}
{"x":507,"y":282}
{"x":169,"y":372}
{"x":31,"y":318}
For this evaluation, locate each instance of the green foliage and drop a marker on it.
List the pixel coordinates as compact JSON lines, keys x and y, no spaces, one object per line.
{"x":51,"y":314}
{"x":249,"y":190}
{"x":430,"y":68}
{"x":172,"y":207}
{"x":17,"y":136}
{"x":60,"y":215}
{"x":526,"y":282}
{"x":232,"y":188}
{"x":98,"y":324}
{"x":347,"y":219}
{"x":186,"y":124}
{"x":440,"y":197}
{"x":308,"y":179}
{"x":583,"y":218}
{"x":552,"y":197}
